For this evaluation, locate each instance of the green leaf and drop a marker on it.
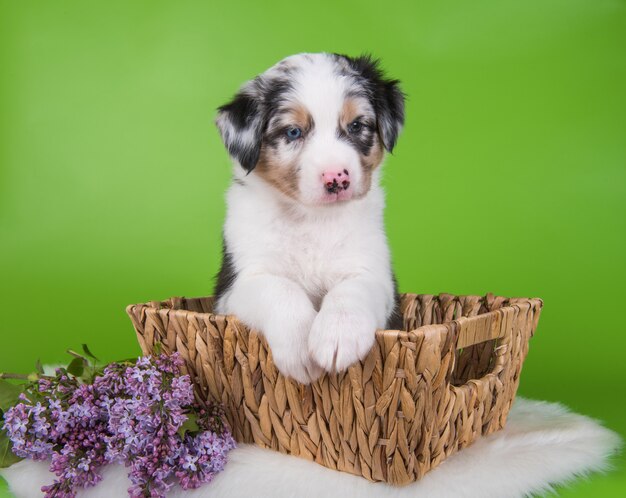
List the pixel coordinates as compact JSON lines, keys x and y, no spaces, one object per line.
{"x":7,"y":457}
{"x":190,"y":425}
{"x":75,"y":354}
{"x":132,"y":361}
{"x":157,"y":348}
{"x":77,"y":367}
{"x":33,"y":377}
{"x":89,"y":353}
{"x":8,"y":394}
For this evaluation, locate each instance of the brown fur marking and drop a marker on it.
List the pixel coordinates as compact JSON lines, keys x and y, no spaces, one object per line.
{"x":282,"y":176}
{"x":350,"y":111}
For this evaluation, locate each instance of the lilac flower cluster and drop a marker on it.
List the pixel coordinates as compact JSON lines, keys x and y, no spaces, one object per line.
{"x":143,"y":415}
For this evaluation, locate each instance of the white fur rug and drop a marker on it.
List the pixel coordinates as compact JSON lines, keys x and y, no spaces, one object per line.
{"x":542,"y":445}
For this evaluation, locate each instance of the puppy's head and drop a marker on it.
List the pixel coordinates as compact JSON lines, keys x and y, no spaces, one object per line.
{"x":314,"y":126}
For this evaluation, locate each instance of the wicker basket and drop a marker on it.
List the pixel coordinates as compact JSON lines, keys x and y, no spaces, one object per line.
{"x":418,"y":397}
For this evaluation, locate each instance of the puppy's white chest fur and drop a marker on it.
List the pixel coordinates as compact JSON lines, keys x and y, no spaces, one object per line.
{"x":317,"y":250}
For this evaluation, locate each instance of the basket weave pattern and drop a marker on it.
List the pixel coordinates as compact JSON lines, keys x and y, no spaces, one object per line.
{"x":418,"y":397}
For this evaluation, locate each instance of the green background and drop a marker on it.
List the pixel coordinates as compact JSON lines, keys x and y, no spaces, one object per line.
{"x":510,"y":175}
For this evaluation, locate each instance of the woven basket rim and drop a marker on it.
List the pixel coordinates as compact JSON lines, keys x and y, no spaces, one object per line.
{"x":410,"y":335}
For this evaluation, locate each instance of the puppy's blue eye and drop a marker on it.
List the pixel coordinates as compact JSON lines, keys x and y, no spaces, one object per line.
{"x":355,"y":127}
{"x":293,"y":133}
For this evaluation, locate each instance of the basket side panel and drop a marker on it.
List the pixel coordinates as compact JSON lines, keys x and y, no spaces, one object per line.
{"x":481,"y":405}
{"x":492,"y":395}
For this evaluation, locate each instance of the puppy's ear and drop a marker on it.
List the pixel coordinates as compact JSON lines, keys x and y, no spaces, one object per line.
{"x":241,"y":125}
{"x":390,"y":112}
{"x":385,"y":95}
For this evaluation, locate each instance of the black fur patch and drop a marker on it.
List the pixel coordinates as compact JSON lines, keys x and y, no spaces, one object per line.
{"x":248,"y":114}
{"x":274,"y":92}
{"x":395,"y":320}
{"x":273,"y":138}
{"x":243,"y":114}
{"x":241,"y":109}
{"x":362,"y":141}
{"x":226,"y":276}
{"x":384,"y":94}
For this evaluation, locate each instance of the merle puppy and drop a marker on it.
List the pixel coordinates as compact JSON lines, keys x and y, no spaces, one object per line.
{"x":306,"y":260}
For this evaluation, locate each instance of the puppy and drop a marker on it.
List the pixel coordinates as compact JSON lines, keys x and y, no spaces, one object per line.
{"x":305,"y":255}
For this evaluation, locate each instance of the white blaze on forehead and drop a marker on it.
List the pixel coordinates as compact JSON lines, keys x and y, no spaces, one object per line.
{"x":321,"y":89}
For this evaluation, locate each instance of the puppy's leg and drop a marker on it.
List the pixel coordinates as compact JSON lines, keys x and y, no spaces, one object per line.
{"x":344,"y":329}
{"x":279,"y":309}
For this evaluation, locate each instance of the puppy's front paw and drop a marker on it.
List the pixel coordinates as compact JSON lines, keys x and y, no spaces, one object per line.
{"x":296,"y":363}
{"x":290,"y":352}
{"x":340,"y":337}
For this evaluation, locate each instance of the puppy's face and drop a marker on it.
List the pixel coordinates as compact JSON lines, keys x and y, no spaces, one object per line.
{"x":314,"y":126}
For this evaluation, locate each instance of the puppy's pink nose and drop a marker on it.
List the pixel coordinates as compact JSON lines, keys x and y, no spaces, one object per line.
{"x":336,"y":180}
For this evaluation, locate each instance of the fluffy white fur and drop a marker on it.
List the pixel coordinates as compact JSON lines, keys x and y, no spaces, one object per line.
{"x":542,"y":445}
{"x":312,"y":270}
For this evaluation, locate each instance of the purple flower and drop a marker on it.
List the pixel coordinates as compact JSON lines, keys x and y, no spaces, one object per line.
{"x":129,"y":414}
